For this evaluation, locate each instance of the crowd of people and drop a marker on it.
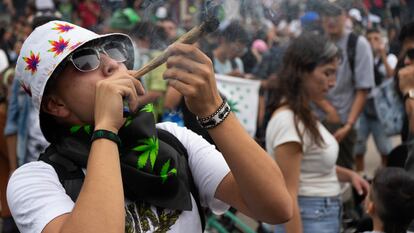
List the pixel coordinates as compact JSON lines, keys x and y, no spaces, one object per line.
{"x":86,"y":147}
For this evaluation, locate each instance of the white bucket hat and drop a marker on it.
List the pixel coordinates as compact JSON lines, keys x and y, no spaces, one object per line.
{"x":45,"y":48}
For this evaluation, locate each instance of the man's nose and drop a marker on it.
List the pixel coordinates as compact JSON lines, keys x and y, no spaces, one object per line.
{"x":332,"y":82}
{"x":109,"y":65}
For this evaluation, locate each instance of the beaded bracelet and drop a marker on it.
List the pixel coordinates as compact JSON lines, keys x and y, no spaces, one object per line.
{"x":216,"y":118}
{"x":101,"y":133}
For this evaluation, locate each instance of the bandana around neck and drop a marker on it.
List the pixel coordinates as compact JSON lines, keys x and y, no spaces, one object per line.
{"x":152,"y":170}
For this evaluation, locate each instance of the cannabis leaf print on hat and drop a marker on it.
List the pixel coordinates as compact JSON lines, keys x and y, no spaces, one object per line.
{"x":32,"y":62}
{"x":61,"y":28}
{"x":58,"y":46}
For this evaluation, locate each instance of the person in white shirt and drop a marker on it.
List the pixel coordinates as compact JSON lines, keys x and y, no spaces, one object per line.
{"x":304,"y":149}
{"x":135,"y":180}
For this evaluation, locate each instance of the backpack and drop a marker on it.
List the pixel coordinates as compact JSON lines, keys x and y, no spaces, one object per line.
{"x":71,"y":176}
{"x":351,"y":52}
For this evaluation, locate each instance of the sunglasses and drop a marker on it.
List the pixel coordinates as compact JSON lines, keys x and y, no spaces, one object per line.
{"x":410,"y":54}
{"x":89,"y":58}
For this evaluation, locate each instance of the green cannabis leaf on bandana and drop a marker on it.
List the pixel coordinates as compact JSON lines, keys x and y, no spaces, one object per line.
{"x":149,"y":151}
{"x":165,"y":173}
{"x":76,"y":128}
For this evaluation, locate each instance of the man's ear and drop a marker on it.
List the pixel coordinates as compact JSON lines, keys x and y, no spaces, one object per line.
{"x":55,"y":106}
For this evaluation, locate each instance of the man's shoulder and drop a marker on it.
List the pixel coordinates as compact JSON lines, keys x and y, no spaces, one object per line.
{"x":168,"y":126}
{"x":32,"y":167}
{"x":362,"y":42}
{"x":31,"y":174}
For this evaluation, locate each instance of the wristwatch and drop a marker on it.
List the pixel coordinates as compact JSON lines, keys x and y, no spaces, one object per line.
{"x":409,"y":94}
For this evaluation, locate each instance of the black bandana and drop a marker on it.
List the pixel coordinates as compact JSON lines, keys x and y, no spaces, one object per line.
{"x":152,"y":170}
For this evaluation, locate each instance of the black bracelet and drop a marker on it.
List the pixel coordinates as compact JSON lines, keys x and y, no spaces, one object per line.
{"x":101,"y":133}
{"x":215,"y":113}
{"x":216,"y":118}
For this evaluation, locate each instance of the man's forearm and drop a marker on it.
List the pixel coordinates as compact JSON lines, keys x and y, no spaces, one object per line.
{"x":357,"y":106}
{"x":324,"y":105}
{"x":252,"y":167}
{"x":100,"y":205}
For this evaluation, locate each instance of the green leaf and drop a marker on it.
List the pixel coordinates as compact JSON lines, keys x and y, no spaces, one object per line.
{"x":173,"y":171}
{"x":87,"y":129}
{"x":153,"y":157}
{"x":141,"y":148}
{"x":150,"y":150}
{"x":142,"y":159}
{"x":128,"y":121}
{"x":148,"y":108}
{"x":233,"y":105}
{"x":75,"y":128}
{"x":164,"y":170}
{"x":154,"y":150}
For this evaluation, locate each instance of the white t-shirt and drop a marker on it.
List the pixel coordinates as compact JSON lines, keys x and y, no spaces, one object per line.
{"x":318,"y":170}
{"x":36,"y":196}
{"x":226,"y":67}
{"x":392,"y":61}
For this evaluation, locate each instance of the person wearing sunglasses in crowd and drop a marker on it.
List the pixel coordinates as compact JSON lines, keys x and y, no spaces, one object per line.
{"x":304,"y":149}
{"x":135,"y":180}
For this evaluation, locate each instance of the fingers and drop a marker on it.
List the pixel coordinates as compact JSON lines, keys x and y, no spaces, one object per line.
{"x":338,"y":136}
{"x":130,"y":90}
{"x":183,"y":88}
{"x":192,"y":66}
{"x":365,"y":186}
{"x":358,"y":188}
{"x":190,"y":72}
{"x":190,"y":51}
{"x":131,"y":96}
{"x":132,"y":73}
{"x":183,"y":76}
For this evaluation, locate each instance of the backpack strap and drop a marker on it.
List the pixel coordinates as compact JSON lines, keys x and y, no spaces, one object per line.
{"x":174,"y":142}
{"x":70,"y":175}
{"x":351,"y":52}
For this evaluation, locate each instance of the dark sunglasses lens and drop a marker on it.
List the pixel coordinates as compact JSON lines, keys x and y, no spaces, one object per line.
{"x":116,"y":51}
{"x":85,"y":59}
{"x":410,"y":54}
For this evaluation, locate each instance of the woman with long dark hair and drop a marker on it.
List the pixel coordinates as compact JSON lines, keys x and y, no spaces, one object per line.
{"x":304,"y":149}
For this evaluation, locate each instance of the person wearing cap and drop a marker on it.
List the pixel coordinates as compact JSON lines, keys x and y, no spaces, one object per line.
{"x":345,"y":101}
{"x":135,"y":181}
